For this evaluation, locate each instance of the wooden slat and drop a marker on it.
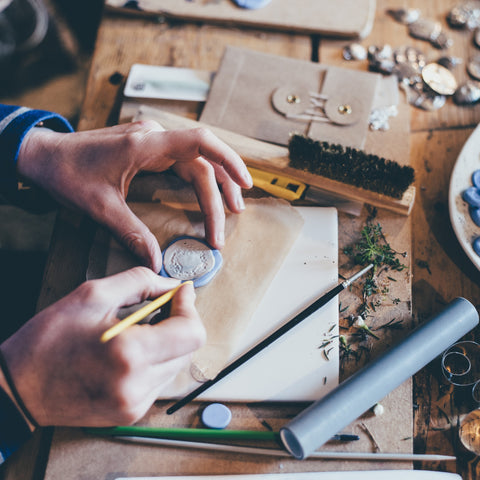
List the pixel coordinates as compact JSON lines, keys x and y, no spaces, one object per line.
{"x":303,"y":16}
{"x":182,"y":45}
{"x":441,"y":272}
{"x":388,"y":31}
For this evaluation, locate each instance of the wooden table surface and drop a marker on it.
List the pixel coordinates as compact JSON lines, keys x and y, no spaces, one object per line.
{"x":439,"y":270}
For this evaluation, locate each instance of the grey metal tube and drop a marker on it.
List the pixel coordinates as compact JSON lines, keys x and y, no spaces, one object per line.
{"x":315,"y":425}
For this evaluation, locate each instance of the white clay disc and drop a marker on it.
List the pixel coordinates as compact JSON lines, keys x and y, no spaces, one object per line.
{"x":187,"y":259}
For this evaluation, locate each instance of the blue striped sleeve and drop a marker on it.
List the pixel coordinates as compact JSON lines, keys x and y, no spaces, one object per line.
{"x":15,"y":122}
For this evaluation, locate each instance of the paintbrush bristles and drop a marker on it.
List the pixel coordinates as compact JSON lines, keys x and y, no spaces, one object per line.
{"x":349,"y":165}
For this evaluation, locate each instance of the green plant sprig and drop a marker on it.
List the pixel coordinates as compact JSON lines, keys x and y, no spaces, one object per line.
{"x":373,"y":248}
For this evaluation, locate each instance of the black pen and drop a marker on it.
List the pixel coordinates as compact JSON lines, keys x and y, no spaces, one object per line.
{"x":345,"y":437}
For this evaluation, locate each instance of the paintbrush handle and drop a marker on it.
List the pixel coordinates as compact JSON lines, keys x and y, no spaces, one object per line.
{"x":198,"y":433}
{"x":140,"y":314}
{"x":316,"y":305}
{"x":185,"y":433}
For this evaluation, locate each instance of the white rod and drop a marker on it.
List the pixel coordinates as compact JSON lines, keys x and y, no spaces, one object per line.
{"x":283,"y":453}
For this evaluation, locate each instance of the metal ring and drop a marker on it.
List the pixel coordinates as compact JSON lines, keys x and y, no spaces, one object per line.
{"x":476,"y":391}
{"x":455,"y":364}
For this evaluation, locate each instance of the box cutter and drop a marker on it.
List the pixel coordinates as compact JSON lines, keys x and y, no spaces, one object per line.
{"x":282,"y":186}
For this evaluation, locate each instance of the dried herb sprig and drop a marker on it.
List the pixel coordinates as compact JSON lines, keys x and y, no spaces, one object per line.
{"x":371,"y":248}
{"x":346,"y":349}
{"x":392,"y":324}
{"x":374,"y":248}
{"x":359,"y":325}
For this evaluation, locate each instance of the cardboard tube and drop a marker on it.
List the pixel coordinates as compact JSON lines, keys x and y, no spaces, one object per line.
{"x":318,"y":423}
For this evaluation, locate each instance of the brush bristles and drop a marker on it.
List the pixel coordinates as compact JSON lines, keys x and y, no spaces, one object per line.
{"x":349,"y":165}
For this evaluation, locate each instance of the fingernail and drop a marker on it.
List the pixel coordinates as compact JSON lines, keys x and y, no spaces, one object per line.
{"x":240,"y":203}
{"x":157,"y":264}
{"x":193,"y":292}
{"x":248,"y":178}
{"x":220,"y":238}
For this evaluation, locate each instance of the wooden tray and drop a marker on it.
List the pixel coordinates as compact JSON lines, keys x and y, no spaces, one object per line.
{"x":342,"y":18}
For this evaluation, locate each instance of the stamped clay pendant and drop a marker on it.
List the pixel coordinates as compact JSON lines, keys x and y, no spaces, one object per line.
{"x":190,"y":258}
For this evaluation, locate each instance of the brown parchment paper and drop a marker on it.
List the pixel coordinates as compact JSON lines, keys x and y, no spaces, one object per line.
{"x":256,"y":243}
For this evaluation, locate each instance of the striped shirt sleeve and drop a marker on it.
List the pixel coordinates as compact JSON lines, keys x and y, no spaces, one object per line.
{"x":15,"y":122}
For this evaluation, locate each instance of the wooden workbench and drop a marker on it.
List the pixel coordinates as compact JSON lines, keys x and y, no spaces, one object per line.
{"x":438,"y":269}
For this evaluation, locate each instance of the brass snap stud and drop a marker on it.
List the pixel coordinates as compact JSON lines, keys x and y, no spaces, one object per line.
{"x":293,"y":98}
{"x":345,"y":109}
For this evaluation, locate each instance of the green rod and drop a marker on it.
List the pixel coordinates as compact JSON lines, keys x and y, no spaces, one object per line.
{"x":184,"y":433}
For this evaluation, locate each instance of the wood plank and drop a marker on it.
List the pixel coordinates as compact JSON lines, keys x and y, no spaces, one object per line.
{"x":302,"y":16}
{"x":140,"y":40}
{"x":397,"y":229}
{"x":388,"y":31}
{"x":441,"y":272}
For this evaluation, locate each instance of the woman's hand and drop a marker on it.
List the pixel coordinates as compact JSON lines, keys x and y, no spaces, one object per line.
{"x":66,"y":376}
{"x":92,"y":171}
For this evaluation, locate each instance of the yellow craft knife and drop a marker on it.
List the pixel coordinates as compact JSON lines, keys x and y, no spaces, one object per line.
{"x":277,"y":185}
{"x":282,"y":186}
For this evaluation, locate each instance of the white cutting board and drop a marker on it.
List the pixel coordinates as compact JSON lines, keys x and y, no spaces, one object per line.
{"x":359,"y":475}
{"x":293,"y":368}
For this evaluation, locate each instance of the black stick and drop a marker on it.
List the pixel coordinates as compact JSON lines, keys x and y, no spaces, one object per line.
{"x":316,"y":305}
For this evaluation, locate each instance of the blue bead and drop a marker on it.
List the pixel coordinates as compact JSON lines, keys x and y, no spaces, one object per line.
{"x":217,"y":416}
{"x":475,"y":215}
{"x":472,"y":196}
{"x":476,"y":245}
{"x":476,"y":178}
{"x":252,"y":4}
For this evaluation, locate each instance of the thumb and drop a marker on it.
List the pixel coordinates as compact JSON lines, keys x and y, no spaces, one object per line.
{"x":132,"y":233}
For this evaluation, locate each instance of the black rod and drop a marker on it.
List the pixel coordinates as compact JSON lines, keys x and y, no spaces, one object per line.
{"x":316,"y":305}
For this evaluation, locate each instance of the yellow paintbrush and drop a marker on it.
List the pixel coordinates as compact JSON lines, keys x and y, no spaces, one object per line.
{"x":140,"y":314}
